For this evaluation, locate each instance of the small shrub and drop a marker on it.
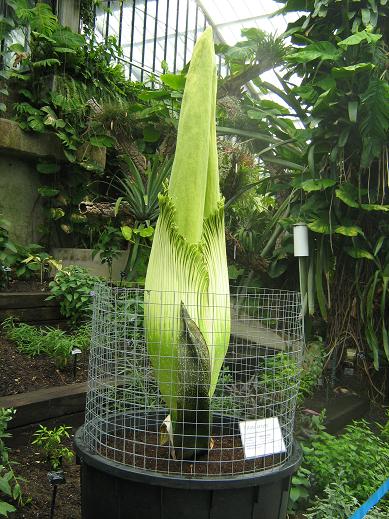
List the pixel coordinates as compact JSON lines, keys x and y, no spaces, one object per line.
{"x":312,"y":368}
{"x":55,"y":343}
{"x":73,"y":286}
{"x":338,"y":502}
{"x":357,"y":460}
{"x":50,"y":441}
{"x":28,"y":339}
{"x":359,"y":455}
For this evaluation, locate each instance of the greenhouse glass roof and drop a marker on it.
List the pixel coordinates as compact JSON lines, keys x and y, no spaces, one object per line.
{"x":153,"y":32}
{"x":228,"y":17}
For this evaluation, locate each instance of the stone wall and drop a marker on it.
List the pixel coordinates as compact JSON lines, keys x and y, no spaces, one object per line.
{"x":19,"y":181}
{"x":20,"y":203}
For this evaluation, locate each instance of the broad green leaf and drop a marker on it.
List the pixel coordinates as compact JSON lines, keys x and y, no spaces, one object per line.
{"x":3,"y":107}
{"x":48,"y":191}
{"x":322,"y":50}
{"x":151,"y":134}
{"x":126,"y":232}
{"x":64,"y":50}
{"x":147,"y":232}
{"x":175,"y":81}
{"x":36,"y":124}
{"x":64,"y":37}
{"x":327,"y":83}
{"x":375,"y":207}
{"x":320,"y":226}
{"x":348,"y":230}
{"x":5,"y":487}
{"x":277,"y":268}
{"x":358,"y":37}
{"x":316,"y":184}
{"x":365,"y":16}
{"x":234,"y":272}
{"x":256,"y":114}
{"x":357,"y":253}
{"x":102,"y":141}
{"x":348,"y":194}
{"x":306,"y":92}
{"x":350,"y":70}
{"x":6,"y":508}
{"x":16,"y":47}
{"x":46,"y":63}
{"x":47,"y":168}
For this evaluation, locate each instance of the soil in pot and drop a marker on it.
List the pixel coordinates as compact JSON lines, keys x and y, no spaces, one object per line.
{"x":226,"y":457}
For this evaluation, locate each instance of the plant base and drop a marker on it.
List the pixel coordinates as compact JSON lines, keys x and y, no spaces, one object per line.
{"x":110,"y":489}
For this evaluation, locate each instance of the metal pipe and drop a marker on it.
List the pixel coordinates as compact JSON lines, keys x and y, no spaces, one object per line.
{"x":144,"y":38}
{"x":107,"y":26}
{"x":155,"y":34}
{"x":132,"y":35}
{"x":176,"y":37}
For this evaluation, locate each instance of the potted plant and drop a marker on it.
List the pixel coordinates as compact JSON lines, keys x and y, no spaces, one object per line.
{"x":182,"y":419}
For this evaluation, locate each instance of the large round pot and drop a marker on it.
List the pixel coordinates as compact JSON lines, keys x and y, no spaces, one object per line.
{"x":116,"y":491}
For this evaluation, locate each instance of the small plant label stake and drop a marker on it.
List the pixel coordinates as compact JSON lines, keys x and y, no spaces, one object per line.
{"x":261,"y":437}
{"x":75,"y":352}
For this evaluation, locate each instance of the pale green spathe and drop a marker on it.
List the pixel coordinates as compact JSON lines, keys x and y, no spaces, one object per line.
{"x":188,"y":258}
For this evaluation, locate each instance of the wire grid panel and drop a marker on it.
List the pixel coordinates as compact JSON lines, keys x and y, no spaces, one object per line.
{"x":151,"y":403}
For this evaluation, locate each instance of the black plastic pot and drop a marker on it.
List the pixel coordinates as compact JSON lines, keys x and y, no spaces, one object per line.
{"x":110,"y":490}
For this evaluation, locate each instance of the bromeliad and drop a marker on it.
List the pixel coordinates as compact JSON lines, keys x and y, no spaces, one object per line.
{"x":187,"y":313}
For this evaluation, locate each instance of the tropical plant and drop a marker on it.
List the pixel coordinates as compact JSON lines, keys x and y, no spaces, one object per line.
{"x":42,"y":261}
{"x":140,"y":192}
{"x":343,"y":103}
{"x":50,"y":441}
{"x":188,"y":267}
{"x":9,"y":482}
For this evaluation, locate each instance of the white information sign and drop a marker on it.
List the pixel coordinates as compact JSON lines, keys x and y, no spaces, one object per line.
{"x":261,"y":437}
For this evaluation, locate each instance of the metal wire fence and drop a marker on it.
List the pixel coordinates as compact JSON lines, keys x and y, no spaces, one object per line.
{"x":246,"y":425}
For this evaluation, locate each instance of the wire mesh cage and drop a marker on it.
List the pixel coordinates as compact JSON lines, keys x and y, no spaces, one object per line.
{"x":177,"y":402}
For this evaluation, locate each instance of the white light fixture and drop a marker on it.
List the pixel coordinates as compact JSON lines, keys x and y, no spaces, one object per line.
{"x":300,"y":240}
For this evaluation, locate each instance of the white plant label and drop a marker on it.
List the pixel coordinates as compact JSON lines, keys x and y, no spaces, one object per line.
{"x":261,"y":437}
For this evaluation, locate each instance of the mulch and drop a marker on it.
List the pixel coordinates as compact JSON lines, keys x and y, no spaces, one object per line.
{"x":20,"y":373}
